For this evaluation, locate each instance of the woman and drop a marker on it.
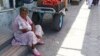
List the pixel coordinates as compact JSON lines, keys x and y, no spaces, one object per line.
{"x":25,"y":32}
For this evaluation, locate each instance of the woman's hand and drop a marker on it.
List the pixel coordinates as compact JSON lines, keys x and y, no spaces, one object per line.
{"x":24,"y":30}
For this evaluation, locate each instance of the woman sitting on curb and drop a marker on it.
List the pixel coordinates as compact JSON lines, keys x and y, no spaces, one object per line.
{"x":26,"y":33}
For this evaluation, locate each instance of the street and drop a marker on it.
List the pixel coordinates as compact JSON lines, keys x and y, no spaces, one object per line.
{"x":80,"y":34}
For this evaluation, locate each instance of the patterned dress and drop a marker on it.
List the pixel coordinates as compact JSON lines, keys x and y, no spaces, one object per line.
{"x":27,"y":38}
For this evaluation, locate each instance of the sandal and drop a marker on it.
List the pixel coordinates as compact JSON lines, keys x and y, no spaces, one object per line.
{"x":41,"y":42}
{"x":36,"y":52}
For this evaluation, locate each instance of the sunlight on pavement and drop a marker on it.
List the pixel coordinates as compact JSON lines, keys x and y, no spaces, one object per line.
{"x":73,"y":41}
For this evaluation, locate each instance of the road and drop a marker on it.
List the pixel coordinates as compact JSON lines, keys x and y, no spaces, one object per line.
{"x":80,"y":35}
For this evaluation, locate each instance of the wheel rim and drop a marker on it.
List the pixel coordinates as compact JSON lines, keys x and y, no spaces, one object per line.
{"x":61,"y":21}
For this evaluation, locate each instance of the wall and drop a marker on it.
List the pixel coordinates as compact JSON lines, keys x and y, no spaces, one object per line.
{"x":7,"y":17}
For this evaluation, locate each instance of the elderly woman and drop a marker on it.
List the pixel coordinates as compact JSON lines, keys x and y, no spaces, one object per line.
{"x":25,"y":32}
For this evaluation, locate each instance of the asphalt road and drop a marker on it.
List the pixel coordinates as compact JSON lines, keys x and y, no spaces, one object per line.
{"x":91,"y":40}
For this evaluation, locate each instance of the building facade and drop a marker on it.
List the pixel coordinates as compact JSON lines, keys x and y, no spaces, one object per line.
{"x":9,"y":9}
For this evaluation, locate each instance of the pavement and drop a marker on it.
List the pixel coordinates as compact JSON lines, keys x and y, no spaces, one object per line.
{"x":80,"y":35}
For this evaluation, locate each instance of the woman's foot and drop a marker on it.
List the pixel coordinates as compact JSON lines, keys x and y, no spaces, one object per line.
{"x":40,"y":41}
{"x":36,"y":52}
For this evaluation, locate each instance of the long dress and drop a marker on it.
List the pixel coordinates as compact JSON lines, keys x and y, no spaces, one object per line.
{"x":27,"y":38}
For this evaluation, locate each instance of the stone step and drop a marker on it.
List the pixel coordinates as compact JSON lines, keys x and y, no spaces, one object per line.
{"x":14,"y":51}
{"x":5,"y":38}
{"x":6,"y":49}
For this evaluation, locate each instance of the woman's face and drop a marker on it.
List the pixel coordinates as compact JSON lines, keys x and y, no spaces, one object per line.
{"x":24,"y":14}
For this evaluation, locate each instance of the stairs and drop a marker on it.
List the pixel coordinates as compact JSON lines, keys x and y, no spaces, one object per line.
{"x":6,"y":49}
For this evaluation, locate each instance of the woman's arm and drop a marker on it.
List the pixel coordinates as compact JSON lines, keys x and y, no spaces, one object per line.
{"x":24,"y":30}
{"x":33,"y":26}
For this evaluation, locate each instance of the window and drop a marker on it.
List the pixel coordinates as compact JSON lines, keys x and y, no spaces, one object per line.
{"x":9,"y":4}
{"x":4,"y":4}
